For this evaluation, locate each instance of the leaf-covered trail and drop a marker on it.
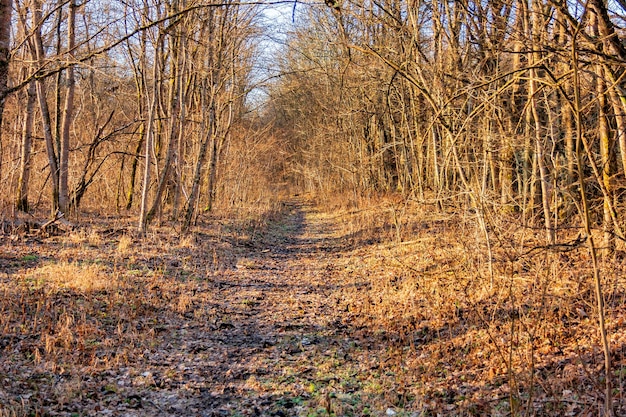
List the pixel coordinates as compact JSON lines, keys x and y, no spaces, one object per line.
{"x":316,"y":314}
{"x":277,"y":342}
{"x":224,"y":324}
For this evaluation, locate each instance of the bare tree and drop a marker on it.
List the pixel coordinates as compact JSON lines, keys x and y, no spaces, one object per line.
{"x":68,"y":109}
{"x":6,"y":8}
{"x":25,"y":157}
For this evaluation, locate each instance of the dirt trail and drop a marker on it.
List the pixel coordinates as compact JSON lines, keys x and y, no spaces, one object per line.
{"x":226,"y":325}
{"x":276,"y":344}
{"x":306,"y":317}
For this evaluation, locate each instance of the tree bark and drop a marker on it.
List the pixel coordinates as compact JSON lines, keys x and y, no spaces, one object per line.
{"x":64,"y":155}
{"x":534,"y":59}
{"x":174,"y":107}
{"x":208,"y":131}
{"x":606,"y":161}
{"x":140,"y":70}
{"x":25,"y":165}
{"x":149,"y":139}
{"x":6,"y":8}
{"x":143,"y":213}
{"x":39,"y":57}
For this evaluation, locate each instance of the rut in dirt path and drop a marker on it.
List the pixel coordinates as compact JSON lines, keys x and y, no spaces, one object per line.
{"x":274,"y":313}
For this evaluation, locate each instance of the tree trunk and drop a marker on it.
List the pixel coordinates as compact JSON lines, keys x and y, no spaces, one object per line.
{"x":6,"y":7}
{"x":39,"y":57}
{"x":543,"y":170}
{"x":619,"y":109}
{"x":174,"y":120}
{"x":212,"y":174}
{"x":180,"y":152}
{"x":605,"y":139}
{"x":22,"y":184}
{"x":143,"y":213}
{"x":64,"y":155}
{"x":140,"y":70}
{"x":207,"y":128}
{"x":606,"y":158}
{"x":534,"y":58}
{"x":586,"y":219}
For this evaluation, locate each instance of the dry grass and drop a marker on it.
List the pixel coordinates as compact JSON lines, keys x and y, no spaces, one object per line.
{"x":99,"y":298}
{"x":13,"y":410}
{"x":529,"y":344}
{"x":125,"y":244}
{"x":417,"y":317}
{"x":73,"y":276}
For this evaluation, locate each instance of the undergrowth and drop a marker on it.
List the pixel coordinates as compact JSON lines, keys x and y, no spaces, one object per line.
{"x":526,"y":343}
{"x":101,"y":298}
{"x":414,"y":321}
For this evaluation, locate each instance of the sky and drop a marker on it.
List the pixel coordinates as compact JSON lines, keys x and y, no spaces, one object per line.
{"x":277,"y":20}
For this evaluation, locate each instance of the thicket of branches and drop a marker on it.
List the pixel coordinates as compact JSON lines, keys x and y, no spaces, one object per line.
{"x":499,"y":103}
{"x":513,"y":109}
{"x":142,"y":103}
{"x":512,"y":106}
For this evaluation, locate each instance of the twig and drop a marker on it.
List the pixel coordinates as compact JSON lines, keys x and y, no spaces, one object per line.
{"x":58,"y":215}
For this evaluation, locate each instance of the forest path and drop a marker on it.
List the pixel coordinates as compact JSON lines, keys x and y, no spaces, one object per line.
{"x":313,"y":313}
{"x":232,"y":321}
{"x":277,"y":343}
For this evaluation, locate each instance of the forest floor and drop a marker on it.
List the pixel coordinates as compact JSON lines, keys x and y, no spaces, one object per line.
{"x":307,"y":316}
